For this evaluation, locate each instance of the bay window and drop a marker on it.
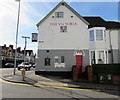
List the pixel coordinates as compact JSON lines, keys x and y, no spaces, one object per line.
{"x":98,"y":57}
{"x":92,"y":35}
{"x":97,"y":34}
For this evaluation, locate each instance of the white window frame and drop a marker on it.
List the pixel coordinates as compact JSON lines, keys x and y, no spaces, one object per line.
{"x":60,"y":64}
{"x":93,"y":35}
{"x":98,"y":28}
{"x":61,"y":15}
{"x":96,"y":56}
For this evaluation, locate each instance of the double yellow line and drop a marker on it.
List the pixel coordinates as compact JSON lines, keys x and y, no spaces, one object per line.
{"x":49,"y":86}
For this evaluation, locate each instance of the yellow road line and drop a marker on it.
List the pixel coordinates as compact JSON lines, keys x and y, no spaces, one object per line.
{"x":49,"y":86}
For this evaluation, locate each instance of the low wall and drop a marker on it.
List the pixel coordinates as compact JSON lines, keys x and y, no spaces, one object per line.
{"x":106,"y":73}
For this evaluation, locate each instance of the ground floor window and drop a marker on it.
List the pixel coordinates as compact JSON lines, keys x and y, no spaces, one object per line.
{"x":98,"y":56}
{"x":92,"y":54}
{"x":59,"y":61}
{"x":47,"y":61}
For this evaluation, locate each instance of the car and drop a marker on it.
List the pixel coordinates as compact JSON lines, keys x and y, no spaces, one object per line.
{"x":10,"y":65}
{"x":34,"y":65}
{"x":25,"y":65}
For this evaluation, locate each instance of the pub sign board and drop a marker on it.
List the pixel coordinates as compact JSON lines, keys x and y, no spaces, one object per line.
{"x":34,"y":37}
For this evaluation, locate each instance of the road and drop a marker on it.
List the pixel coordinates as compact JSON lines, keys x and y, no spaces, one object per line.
{"x":15,"y":90}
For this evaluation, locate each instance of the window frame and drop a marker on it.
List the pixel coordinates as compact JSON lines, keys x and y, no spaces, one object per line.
{"x":96,"y":56}
{"x":92,"y":34}
{"x":103,"y":29}
{"x":47,"y":64}
{"x":59,"y":15}
{"x":96,"y":35}
{"x":63,"y":29}
{"x":59,"y":63}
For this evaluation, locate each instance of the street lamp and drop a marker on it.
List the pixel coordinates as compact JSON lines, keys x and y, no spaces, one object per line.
{"x":17,"y":35}
{"x":25,"y":44}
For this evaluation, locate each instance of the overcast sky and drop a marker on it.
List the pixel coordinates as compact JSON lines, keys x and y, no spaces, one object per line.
{"x":32,"y":12}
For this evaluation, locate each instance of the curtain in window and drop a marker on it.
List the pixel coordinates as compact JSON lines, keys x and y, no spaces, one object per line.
{"x":101,"y":58}
{"x":93,"y":57}
{"x":92,"y":35}
{"x":99,"y":35}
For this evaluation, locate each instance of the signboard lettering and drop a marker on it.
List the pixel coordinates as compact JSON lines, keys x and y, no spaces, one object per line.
{"x":64,"y":24}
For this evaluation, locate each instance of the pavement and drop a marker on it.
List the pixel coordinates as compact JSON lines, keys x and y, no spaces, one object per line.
{"x":33,"y":79}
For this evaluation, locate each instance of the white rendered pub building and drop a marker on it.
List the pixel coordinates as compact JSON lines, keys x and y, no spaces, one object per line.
{"x":64,"y":33}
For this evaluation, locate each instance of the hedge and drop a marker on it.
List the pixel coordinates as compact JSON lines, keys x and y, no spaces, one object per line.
{"x":113,"y":69}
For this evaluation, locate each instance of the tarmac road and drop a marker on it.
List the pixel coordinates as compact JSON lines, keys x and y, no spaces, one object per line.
{"x":17,"y":90}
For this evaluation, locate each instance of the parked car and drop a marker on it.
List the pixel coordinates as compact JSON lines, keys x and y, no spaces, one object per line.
{"x":10,"y":65}
{"x":25,"y":65}
{"x":34,"y":65}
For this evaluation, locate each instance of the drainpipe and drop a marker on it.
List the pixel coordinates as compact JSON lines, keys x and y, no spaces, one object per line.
{"x":111,"y":50}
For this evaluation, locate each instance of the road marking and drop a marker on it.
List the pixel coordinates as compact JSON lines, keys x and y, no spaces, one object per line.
{"x":51,"y":83}
{"x":50,"y":86}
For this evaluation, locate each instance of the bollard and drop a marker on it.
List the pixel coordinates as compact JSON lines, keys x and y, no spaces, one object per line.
{"x":23,"y":73}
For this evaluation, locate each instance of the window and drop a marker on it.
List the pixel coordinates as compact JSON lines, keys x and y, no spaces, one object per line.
{"x":58,"y":14}
{"x":62,"y":59}
{"x":92,"y":54}
{"x":92,"y":35}
{"x":59,"y":61}
{"x":47,"y":61}
{"x":99,"y":35}
{"x":98,"y":57}
{"x":63,"y":28}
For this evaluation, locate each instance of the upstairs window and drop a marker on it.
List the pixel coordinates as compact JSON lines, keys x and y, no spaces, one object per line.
{"x":58,"y":14}
{"x":92,"y":35}
{"x":99,"y":35}
{"x":63,"y":28}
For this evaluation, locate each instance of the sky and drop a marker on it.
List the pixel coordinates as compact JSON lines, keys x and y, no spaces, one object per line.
{"x":32,"y":11}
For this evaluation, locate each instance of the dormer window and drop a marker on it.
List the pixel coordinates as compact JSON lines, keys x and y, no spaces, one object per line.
{"x":58,"y":14}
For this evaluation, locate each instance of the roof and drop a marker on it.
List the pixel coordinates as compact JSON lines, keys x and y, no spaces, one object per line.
{"x":95,"y":21}
{"x":99,"y":22}
{"x":65,"y":4}
{"x":90,"y":21}
{"x":113,"y":25}
{"x":27,"y":52}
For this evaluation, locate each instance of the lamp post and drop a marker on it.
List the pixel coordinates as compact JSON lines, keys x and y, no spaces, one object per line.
{"x":25,"y":44}
{"x":16,"y":35}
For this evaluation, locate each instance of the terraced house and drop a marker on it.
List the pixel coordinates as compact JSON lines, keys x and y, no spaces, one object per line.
{"x":64,"y":33}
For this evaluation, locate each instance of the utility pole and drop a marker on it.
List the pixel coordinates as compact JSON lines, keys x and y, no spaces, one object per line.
{"x":17,"y":35}
{"x":25,"y":44}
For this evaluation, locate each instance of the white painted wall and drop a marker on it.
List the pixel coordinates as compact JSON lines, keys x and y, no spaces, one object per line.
{"x":105,"y":45}
{"x":76,"y":36}
{"x":114,"y":39}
